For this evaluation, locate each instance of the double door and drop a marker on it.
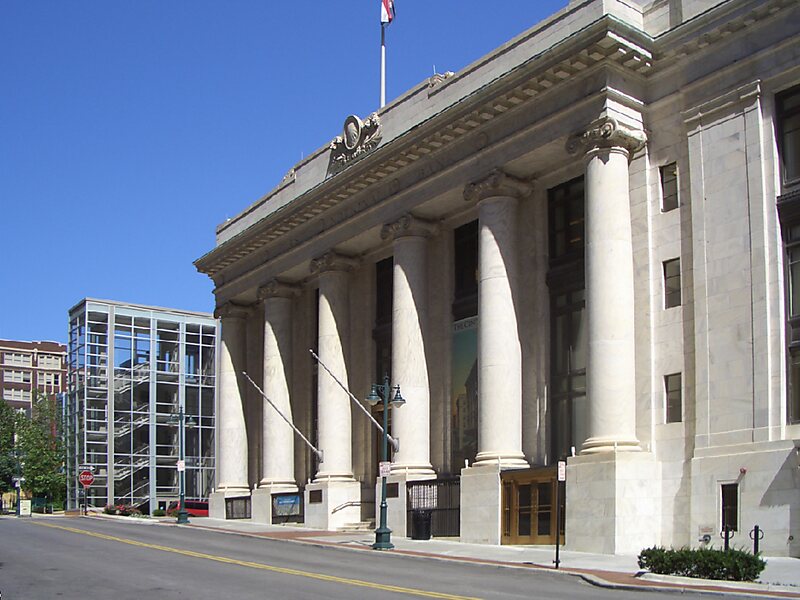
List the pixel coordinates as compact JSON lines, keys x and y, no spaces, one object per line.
{"x":529,"y":507}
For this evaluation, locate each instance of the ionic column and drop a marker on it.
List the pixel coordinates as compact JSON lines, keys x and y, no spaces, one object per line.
{"x":277,"y":437}
{"x":499,"y":349}
{"x":232,"y":454}
{"x":610,"y":368}
{"x":411,"y":422}
{"x":335,"y":430}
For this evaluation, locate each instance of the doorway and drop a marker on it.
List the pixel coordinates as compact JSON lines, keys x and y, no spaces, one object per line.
{"x":529,"y":515}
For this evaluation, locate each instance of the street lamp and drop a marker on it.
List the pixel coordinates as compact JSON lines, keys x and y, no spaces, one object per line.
{"x":383,"y":535}
{"x":181,"y":420}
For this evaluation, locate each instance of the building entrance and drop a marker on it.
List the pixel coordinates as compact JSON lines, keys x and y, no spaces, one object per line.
{"x":529,"y":515}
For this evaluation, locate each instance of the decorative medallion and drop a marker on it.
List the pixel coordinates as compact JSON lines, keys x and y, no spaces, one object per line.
{"x":358,"y":137}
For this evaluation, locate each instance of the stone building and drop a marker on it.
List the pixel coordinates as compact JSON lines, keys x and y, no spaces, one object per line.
{"x":581,"y":246}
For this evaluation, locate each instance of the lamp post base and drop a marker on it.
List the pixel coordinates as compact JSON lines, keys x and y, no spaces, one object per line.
{"x":383,"y":537}
{"x":183,"y":517}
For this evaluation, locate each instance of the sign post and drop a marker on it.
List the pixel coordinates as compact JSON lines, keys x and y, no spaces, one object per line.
{"x":86,"y":478}
{"x":562,"y":476}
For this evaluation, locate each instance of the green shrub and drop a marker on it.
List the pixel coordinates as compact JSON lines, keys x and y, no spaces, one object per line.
{"x":159,"y":512}
{"x":703,"y":563}
{"x":110,"y":509}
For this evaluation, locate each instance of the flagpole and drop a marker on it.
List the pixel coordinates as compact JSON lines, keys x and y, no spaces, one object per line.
{"x":383,"y":64}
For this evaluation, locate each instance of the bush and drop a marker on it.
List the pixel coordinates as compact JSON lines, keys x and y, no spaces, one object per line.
{"x":703,"y":563}
{"x":159,"y":512}
{"x":127,"y":510}
{"x":110,"y":509}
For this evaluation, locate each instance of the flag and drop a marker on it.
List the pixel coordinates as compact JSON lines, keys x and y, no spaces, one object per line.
{"x":387,"y":11}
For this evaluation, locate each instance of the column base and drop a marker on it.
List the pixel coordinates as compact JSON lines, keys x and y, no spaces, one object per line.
{"x":337,"y":503}
{"x":216,"y":500}
{"x":481,"y":505}
{"x":597,"y":445}
{"x":503,"y":461}
{"x":613,"y":502}
{"x":412,"y":471}
{"x":261,"y":503}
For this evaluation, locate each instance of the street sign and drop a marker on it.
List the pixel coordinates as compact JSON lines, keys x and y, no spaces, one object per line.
{"x":181,"y":466}
{"x":86,"y":478}
{"x":86,"y":468}
{"x":384,"y":469}
{"x":562,"y":470}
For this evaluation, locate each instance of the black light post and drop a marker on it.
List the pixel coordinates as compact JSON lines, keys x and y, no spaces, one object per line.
{"x":383,"y":535}
{"x":180,"y":419}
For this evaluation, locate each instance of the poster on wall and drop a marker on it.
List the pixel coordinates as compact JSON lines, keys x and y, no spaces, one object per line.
{"x":464,"y":400}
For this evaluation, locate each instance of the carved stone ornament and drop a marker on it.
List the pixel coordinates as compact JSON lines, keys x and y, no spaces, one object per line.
{"x":358,"y":137}
{"x":277,"y":289}
{"x":408,"y":225}
{"x":438,"y":78}
{"x":333,"y":261}
{"x":607,"y":133}
{"x":231,"y":310}
{"x":497,"y":183}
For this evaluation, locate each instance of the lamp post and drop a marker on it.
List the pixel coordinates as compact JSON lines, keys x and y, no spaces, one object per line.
{"x":383,"y":535}
{"x":181,"y":420}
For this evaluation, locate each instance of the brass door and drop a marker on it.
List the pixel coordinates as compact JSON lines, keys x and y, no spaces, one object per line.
{"x":529,"y":515}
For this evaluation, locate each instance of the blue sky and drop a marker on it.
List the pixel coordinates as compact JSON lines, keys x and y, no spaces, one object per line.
{"x":130,"y":129}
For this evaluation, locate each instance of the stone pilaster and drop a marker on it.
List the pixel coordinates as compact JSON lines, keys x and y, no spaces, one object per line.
{"x":334,"y":410}
{"x":232,"y":477}
{"x":278,"y":437}
{"x":610,"y":371}
{"x":411,"y":422}
{"x":499,"y":349}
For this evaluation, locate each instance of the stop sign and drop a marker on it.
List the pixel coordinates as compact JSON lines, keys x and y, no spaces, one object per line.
{"x":86,"y":478}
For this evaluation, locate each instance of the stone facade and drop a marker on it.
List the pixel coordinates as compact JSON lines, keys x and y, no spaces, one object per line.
{"x":595,"y":203}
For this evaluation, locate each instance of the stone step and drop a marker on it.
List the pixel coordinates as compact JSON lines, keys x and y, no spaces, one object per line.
{"x":357,"y":527}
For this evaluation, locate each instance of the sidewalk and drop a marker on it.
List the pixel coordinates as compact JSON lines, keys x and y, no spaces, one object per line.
{"x":780,"y":578}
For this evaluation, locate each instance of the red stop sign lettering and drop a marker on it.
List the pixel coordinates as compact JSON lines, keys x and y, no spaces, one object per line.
{"x":86,"y":478}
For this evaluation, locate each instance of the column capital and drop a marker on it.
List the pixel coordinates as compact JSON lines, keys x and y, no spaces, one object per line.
{"x":408,"y":226}
{"x":277,"y":289}
{"x":231,"y":310}
{"x":497,"y":183}
{"x":607,"y":132}
{"x":333,"y":261}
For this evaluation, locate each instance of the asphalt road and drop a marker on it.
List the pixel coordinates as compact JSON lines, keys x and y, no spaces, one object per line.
{"x":48,"y":558}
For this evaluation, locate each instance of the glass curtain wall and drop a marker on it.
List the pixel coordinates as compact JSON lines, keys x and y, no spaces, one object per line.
{"x":161,"y":362}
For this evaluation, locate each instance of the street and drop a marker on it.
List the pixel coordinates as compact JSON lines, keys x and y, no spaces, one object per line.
{"x":44,"y":558}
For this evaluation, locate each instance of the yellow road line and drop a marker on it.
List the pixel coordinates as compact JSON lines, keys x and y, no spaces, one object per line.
{"x":263,"y":567}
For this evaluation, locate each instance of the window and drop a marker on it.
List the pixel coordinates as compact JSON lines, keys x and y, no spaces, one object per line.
{"x":788,"y":109}
{"x":48,"y":379}
{"x":789,"y":212}
{"x":465,"y":246}
{"x":567,"y":222}
{"x":17,"y":359}
{"x":730,"y":506}
{"x":17,"y":395}
{"x":672,"y":283}
{"x":669,"y":187}
{"x":673,"y":397}
{"x":17,"y":376}
{"x":49,"y":361}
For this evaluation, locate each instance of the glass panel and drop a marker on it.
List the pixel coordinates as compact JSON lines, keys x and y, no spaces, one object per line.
{"x":544,"y":508}
{"x":524,"y":510}
{"x":730,"y":506}
{"x":672,"y":388}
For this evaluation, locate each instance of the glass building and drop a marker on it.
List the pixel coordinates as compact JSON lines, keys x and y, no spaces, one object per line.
{"x":131,"y":368}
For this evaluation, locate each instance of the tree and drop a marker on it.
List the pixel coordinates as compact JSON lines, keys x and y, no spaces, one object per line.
{"x":8,"y":463}
{"x":41,"y":449}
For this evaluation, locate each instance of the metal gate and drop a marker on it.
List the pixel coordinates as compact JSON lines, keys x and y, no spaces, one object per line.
{"x":440,"y":496}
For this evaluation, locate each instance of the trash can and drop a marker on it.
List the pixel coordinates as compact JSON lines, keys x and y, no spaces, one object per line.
{"x":420,"y":524}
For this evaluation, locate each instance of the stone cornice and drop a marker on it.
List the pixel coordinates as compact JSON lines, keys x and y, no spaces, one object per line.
{"x":231,"y":310}
{"x":408,"y":226}
{"x":497,"y":183}
{"x":604,"y":42}
{"x":607,"y":42}
{"x":606,"y":133}
{"x":278,"y":289}
{"x":333,"y":261}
